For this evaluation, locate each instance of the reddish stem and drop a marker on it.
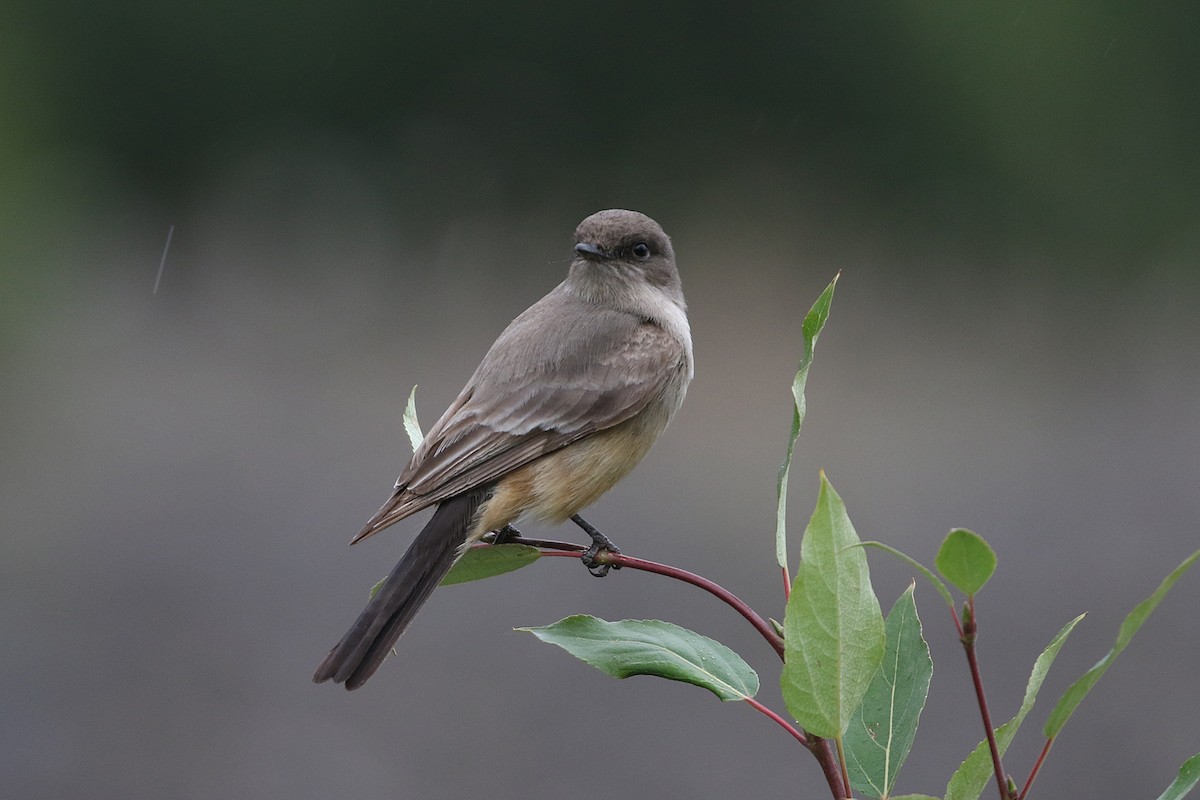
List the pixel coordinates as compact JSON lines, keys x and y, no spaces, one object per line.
{"x":819,"y":747}
{"x":1036,"y":768}
{"x":715,"y":589}
{"x":970,"y":630}
{"x":835,"y":776}
{"x":787,"y":585}
{"x":957,"y":624}
{"x":826,"y":755}
{"x":787,"y":726}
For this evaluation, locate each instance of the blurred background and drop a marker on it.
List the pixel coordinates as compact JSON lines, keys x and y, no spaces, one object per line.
{"x":362,"y":198}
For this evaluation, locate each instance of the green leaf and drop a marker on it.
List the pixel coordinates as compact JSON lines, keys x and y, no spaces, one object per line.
{"x":882,"y":730}
{"x":1078,"y":690}
{"x":833,"y":629}
{"x":411,"y":426}
{"x":914,"y":797}
{"x":924,"y":570}
{"x":814,"y":321}
{"x":973,"y":775}
{"x":966,"y":560}
{"x":1189,"y":775}
{"x":484,"y":562}
{"x":652,"y":647}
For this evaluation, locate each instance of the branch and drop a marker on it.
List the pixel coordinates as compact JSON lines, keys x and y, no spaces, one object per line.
{"x":821,"y":748}
{"x":970,"y":629}
{"x":619,"y":560}
{"x":1036,"y":768}
{"x":826,"y":755}
{"x":787,"y":726}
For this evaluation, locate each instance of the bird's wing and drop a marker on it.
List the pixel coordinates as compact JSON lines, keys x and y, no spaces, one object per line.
{"x":537,"y":391}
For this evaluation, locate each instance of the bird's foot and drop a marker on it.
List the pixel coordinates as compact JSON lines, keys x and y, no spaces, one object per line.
{"x":502,"y":536}
{"x":600,"y":544}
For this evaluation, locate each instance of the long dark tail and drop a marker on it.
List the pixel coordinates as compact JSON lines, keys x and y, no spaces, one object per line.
{"x":403,"y":592}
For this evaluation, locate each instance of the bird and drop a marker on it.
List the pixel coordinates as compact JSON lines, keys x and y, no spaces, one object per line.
{"x":565,"y":403}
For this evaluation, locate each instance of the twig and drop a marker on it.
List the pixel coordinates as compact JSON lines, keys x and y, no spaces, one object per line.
{"x":1036,"y":768}
{"x":826,"y":756}
{"x":820,"y":748}
{"x":621,"y":560}
{"x":787,"y":726}
{"x":970,"y":629}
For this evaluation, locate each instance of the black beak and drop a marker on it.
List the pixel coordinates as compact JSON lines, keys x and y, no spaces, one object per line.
{"x":591,"y":252}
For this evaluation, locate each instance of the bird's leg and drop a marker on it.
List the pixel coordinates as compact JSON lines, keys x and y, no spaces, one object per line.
{"x":505,"y":534}
{"x":600,"y":543}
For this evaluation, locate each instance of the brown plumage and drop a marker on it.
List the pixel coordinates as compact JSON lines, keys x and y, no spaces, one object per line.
{"x":567,"y":401}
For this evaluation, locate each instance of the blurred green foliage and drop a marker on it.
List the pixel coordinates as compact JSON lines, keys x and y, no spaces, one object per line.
{"x":1066,"y":128}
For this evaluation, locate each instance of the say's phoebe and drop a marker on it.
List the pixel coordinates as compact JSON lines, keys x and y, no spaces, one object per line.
{"x":564,"y":405}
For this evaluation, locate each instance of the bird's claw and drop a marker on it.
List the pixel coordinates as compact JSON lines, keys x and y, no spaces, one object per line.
{"x":591,"y":558}
{"x":502,"y":536}
{"x":600,"y":544}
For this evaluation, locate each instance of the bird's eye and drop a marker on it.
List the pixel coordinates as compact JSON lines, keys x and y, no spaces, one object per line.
{"x":641,"y":250}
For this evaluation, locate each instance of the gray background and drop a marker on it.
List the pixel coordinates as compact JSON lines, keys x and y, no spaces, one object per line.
{"x":363,"y":198}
